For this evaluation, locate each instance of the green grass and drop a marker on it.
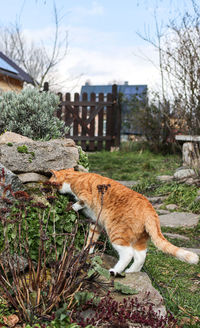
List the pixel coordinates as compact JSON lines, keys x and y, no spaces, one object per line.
{"x":121,"y":165}
{"x":178,"y":282}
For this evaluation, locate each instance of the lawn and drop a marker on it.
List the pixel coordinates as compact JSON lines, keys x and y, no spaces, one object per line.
{"x":122,"y":165}
{"x":178,"y":282}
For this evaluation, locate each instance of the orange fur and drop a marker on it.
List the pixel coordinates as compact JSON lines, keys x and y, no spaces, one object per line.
{"x":128,"y":217}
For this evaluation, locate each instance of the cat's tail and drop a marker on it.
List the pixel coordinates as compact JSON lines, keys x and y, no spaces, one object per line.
{"x":152,"y":226}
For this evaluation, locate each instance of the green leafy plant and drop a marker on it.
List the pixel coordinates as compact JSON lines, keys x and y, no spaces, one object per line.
{"x":53,"y":276}
{"x":31,"y":113}
{"x":83,"y":158}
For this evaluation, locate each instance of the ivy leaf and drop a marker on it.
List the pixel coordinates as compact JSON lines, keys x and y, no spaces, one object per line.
{"x":102,"y":271}
{"x":124,"y":289}
{"x":97,"y":259}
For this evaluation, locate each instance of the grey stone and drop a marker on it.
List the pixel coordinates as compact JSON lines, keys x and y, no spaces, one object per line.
{"x":81,"y":168}
{"x":171,"y":207}
{"x":16,"y":262}
{"x":165,"y":178}
{"x":175,"y":236}
{"x":189,"y":181}
{"x":11,"y":137}
{"x":9,"y":179}
{"x":128,"y":184}
{"x":40,"y":157}
{"x":185,"y":173}
{"x":190,"y":155}
{"x":179,"y":219}
{"x":197,"y":199}
{"x":162,"y":212}
{"x":156,"y":200}
{"x":141,"y":282}
{"x":32,"y":177}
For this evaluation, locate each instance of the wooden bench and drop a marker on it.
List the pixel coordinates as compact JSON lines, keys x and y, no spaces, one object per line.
{"x":190,"y":149}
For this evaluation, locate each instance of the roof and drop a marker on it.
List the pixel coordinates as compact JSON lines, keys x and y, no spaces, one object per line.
{"x":126,"y":89}
{"x":10,"y":69}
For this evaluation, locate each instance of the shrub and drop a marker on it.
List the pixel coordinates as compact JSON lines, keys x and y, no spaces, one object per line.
{"x":31,"y":113}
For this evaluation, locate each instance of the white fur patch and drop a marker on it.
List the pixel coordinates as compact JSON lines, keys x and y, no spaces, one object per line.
{"x":139,"y":259}
{"x":65,"y":189}
{"x":77,"y":206}
{"x":187,"y":256}
{"x":89,"y":213}
{"x":125,"y":256}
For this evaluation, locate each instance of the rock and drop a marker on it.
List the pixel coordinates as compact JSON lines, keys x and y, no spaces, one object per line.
{"x":141,"y":282}
{"x":18,"y":262}
{"x":80,"y":168}
{"x":185,"y":173}
{"x":165,"y":178}
{"x":156,"y":200}
{"x":161,"y":212}
{"x":190,"y":155}
{"x":179,"y":219}
{"x":9,"y":179}
{"x":190,"y":181}
{"x":197,"y":199}
{"x":171,"y":207}
{"x":32,"y":177}
{"x":39,"y":157}
{"x":128,"y":184}
{"x":11,"y":137}
{"x":175,"y":236}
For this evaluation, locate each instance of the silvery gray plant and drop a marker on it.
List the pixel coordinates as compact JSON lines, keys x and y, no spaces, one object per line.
{"x":31,"y":113}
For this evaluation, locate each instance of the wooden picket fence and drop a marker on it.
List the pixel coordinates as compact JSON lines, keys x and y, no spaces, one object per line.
{"x":94,"y":120}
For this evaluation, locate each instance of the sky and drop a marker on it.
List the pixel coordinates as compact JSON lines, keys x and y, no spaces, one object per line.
{"x":104,"y":42}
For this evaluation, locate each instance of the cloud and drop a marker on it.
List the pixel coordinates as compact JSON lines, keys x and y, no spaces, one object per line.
{"x":97,"y":56}
{"x":80,"y":13}
{"x":104,"y":68}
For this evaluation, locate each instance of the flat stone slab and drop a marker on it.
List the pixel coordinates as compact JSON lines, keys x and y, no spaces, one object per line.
{"x":175,"y":236}
{"x":142,"y":283}
{"x":179,"y":219}
{"x":32,"y":177}
{"x":128,"y":183}
{"x":39,"y":156}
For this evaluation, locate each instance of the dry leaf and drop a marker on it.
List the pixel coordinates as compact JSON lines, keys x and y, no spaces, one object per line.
{"x":11,"y":320}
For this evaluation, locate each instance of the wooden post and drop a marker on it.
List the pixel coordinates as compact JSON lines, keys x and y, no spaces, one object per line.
{"x":84,"y":117}
{"x":46,"y":86}
{"x":92,"y":123}
{"x":76,"y":113}
{"x":100,"y":123}
{"x":116,"y":115}
{"x":109,"y":122}
{"x":66,"y":112}
{"x":59,"y":110}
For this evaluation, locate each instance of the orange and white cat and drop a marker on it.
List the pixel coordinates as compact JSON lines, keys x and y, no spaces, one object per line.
{"x":128,"y":218}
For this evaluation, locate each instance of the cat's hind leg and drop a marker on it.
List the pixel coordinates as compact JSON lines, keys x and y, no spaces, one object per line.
{"x":126,"y":254}
{"x":139,"y":259}
{"x":139,"y":253}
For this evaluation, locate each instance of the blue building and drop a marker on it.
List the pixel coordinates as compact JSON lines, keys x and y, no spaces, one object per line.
{"x":127,"y":92}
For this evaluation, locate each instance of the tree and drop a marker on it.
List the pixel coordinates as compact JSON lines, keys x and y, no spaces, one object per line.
{"x":38,"y":61}
{"x":179,"y":58}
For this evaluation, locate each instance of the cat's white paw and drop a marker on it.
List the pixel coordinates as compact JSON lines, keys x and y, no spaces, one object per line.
{"x":113,"y":272}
